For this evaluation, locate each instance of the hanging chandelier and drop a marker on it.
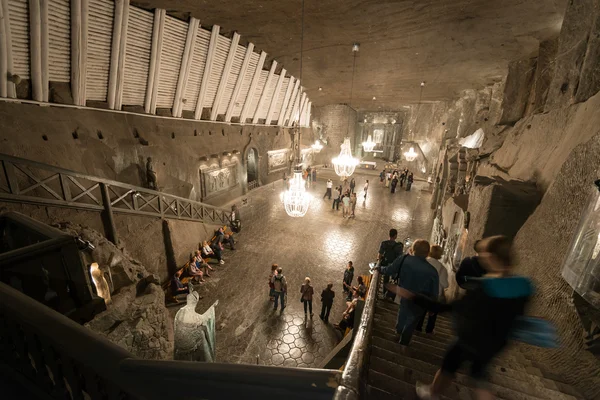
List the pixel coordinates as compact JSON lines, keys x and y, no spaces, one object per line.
{"x":410,"y":155}
{"x":317,"y":146}
{"x":296,"y":200}
{"x":344,"y":163}
{"x":369,"y":145}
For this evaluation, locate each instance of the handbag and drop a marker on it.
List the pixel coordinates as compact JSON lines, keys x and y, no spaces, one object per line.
{"x":535,"y":331}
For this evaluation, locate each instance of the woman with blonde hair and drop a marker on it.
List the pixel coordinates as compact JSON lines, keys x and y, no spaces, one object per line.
{"x":307,"y":296}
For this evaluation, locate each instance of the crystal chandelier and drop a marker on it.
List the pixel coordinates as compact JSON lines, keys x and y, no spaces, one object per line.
{"x":317,"y":147}
{"x":410,"y":155}
{"x":369,"y":145}
{"x":344,"y":163}
{"x":296,"y":200}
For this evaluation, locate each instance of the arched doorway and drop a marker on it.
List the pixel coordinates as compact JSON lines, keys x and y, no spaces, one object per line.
{"x":252,"y":168}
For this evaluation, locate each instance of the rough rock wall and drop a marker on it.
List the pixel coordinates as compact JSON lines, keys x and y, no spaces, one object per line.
{"x":137,"y":318}
{"x":115,"y":145}
{"x":142,"y":237}
{"x":541,"y":246}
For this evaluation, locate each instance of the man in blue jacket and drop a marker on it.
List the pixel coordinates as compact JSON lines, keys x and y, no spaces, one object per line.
{"x":415,"y":274}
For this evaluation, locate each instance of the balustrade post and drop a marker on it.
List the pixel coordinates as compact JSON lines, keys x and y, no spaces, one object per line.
{"x":108,"y":219}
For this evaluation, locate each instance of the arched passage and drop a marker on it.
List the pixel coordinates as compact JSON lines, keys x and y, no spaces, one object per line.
{"x":252,"y":168}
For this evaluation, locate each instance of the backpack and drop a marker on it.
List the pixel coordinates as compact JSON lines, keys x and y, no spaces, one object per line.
{"x":391,"y":251}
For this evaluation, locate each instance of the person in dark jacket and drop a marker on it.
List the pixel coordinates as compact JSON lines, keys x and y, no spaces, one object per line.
{"x":348,"y":277}
{"x":327,"y":297}
{"x":389,"y":250}
{"x":484,"y":317}
{"x":469,"y":268}
{"x":409,"y":181}
{"x":394,"y":184}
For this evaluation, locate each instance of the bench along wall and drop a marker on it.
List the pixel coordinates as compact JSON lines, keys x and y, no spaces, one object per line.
{"x":116,"y":145}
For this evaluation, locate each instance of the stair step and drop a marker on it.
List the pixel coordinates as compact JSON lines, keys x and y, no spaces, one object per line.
{"x":374,"y":393}
{"x":400,"y":389}
{"x":498,"y":383}
{"x":392,"y":317}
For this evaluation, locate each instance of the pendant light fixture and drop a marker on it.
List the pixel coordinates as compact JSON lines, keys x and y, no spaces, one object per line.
{"x":369,"y":145}
{"x":296,"y":199}
{"x":411,"y":155}
{"x":345,"y":164}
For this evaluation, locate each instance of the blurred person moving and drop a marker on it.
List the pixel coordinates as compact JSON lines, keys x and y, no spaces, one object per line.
{"x":484,"y":317}
{"x":415,"y":274}
{"x":435,"y":254}
{"x":469,"y":268}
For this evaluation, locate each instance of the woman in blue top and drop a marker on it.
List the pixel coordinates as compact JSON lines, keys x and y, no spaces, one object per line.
{"x":484,"y":317}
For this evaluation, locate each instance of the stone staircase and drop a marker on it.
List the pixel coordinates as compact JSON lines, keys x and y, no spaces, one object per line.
{"x":394,"y":369}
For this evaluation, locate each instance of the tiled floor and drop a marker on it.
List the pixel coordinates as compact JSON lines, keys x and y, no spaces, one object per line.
{"x":317,"y":245}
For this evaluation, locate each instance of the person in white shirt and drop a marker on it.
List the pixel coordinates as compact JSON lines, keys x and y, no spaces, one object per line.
{"x":328,"y":191}
{"x":435,"y":254}
{"x":365,"y":188}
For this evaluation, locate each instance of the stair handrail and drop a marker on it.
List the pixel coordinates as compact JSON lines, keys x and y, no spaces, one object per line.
{"x":168,"y":205}
{"x":353,"y":376}
{"x":47,"y":352}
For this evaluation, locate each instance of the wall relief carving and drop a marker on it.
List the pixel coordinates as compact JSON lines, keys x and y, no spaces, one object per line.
{"x":277,"y":159}
{"x":219,"y":179}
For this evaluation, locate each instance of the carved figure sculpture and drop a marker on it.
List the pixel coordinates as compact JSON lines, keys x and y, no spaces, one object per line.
{"x":195,"y":333}
{"x":151,"y":174}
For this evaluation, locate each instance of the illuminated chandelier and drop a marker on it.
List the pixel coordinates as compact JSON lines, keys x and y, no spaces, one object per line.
{"x":296,"y":200}
{"x":317,"y":147}
{"x":369,"y":145}
{"x":410,"y":155}
{"x":344,"y":163}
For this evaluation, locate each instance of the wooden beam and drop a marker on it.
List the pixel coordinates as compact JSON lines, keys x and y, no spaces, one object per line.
{"x":157,"y":38}
{"x":297,"y":104}
{"x":11,"y":90}
{"x":114,"y":53}
{"x":263,"y":96}
{"x":255,"y":78}
{"x":76,"y":38}
{"x":4,"y":46}
{"x":45,"y":49}
{"x":275,"y":97}
{"x":308,"y":112}
{"x":212,"y":49}
{"x":184,"y":69}
{"x":286,"y":100}
{"x":35,"y":50}
{"x":302,"y":107}
{"x":240,"y":81}
{"x":121,"y":64}
{"x":84,"y":50}
{"x":290,"y":105}
{"x":225,"y":76}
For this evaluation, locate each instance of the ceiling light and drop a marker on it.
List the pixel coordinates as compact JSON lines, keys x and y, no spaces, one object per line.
{"x":296,"y":200}
{"x":374,"y":98}
{"x":344,"y":163}
{"x":423,"y":83}
{"x":369,"y":145}
{"x":320,"y":88}
{"x":355,"y":47}
{"x":410,"y":155}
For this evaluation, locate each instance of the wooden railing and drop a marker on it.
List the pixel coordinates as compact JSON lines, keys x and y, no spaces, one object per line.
{"x":26,"y":181}
{"x":49,"y":355}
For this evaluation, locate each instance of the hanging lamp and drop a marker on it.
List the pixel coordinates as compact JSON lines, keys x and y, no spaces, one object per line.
{"x":296,"y":200}
{"x":344,"y":164}
{"x":369,"y":145}
{"x":410,"y":155}
{"x":317,"y":146}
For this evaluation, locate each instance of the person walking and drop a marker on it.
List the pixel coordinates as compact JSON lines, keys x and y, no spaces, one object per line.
{"x":389,"y":251}
{"x":352,"y":185}
{"x":365,"y":188}
{"x":328,"y":191}
{"x":416,"y":275}
{"x":314,"y":174}
{"x":353,"y":201}
{"x":402,"y":178}
{"x":271,"y":284}
{"x":280,"y":288}
{"x":388,"y":178}
{"x":409,"y":181}
{"x":484,"y":317}
{"x":348,"y":277}
{"x":336,"y":198}
{"x":307,"y":296}
{"x":394,"y":184}
{"x":382,"y":176}
{"x":327,"y":296}
{"x":346,"y":205}
{"x":435,"y":254}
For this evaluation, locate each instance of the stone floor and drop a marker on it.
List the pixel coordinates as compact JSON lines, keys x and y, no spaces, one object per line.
{"x":319,"y":246}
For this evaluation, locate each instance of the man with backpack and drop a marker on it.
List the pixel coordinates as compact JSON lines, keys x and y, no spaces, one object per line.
{"x":389,"y":250}
{"x":280,"y":288}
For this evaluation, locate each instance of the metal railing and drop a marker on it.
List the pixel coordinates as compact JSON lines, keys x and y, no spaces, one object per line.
{"x":47,"y":353}
{"x":354,"y":375}
{"x":26,"y":181}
